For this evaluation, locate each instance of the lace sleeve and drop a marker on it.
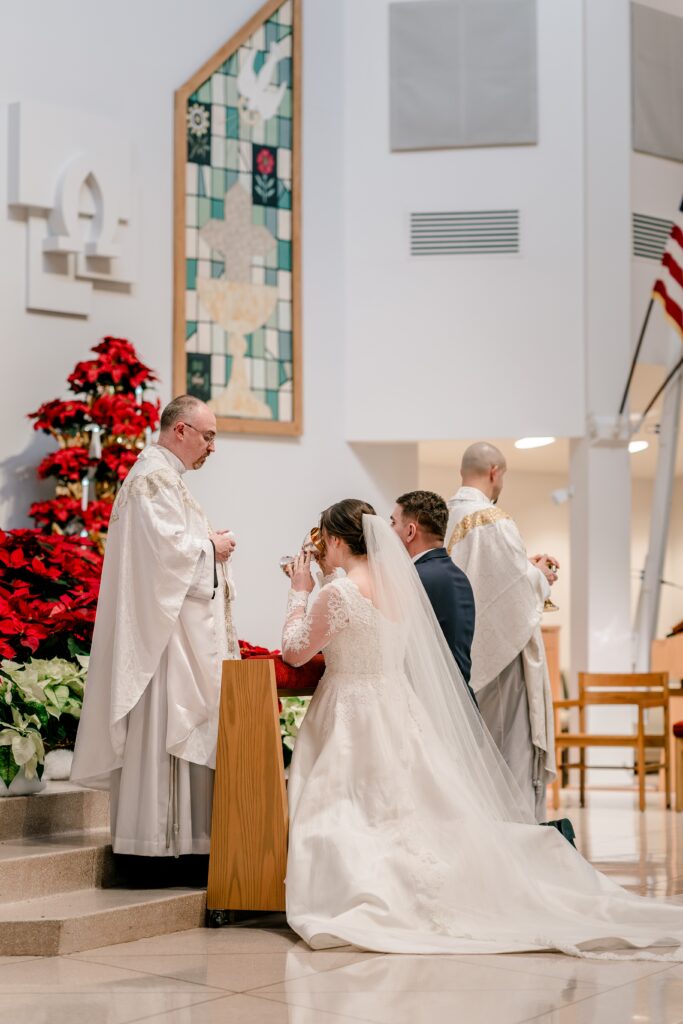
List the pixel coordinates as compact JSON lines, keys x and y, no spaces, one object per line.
{"x":306,"y":632}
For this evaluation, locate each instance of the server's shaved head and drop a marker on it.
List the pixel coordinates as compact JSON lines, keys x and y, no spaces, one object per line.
{"x":483,"y":466}
{"x":480,"y":457}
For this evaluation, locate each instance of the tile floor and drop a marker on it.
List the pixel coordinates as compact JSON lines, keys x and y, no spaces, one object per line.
{"x":260,"y":973}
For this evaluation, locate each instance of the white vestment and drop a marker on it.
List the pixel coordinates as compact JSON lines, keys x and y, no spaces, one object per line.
{"x":509,"y":593}
{"x":150,"y":714}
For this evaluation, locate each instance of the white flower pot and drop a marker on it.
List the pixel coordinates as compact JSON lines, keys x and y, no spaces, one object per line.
{"x":58,"y":765}
{"x":21,"y":786}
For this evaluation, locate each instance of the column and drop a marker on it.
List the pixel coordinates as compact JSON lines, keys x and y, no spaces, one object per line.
{"x":599,"y":465}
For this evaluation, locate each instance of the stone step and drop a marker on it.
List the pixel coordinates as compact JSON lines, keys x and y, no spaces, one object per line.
{"x":59,"y":890}
{"x":60,"y":807}
{"x":86,"y":919}
{"x":45,"y":865}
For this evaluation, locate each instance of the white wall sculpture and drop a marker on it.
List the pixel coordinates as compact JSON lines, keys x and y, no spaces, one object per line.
{"x":70,"y":176}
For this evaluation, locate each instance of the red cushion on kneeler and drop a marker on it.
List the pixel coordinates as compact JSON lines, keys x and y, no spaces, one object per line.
{"x":678,"y":729}
{"x":286,"y":675}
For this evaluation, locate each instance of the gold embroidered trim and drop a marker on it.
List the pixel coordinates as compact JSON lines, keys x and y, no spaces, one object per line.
{"x":150,"y":485}
{"x":230,"y":631}
{"x":484,"y":517}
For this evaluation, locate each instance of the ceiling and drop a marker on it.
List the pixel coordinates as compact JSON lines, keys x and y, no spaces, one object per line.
{"x":554,"y":458}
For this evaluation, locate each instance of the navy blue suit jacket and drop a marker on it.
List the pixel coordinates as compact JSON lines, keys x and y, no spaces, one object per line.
{"x":451,"y":597}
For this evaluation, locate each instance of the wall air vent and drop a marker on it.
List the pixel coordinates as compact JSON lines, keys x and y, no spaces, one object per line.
{"x":464,"y":233}
{"x":650,"y":235}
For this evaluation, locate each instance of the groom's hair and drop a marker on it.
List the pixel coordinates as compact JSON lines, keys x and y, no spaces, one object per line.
{"x":427,"y":509}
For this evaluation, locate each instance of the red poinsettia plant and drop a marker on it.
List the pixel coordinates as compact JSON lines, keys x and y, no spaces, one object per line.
{"x":58,"y":415}
{"x":100,"y":433}
{"x":66,"y":511}
{"x":118,"y":460}
{"x":120,"y":415}
{"x":48,"y":594}
{"x":117,"y":366}
{"x":50,"y":576}
{"x":68,"y":464}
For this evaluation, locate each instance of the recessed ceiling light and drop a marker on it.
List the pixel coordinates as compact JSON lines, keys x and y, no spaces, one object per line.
{"x":638,"y":446}
{"x":534,"y":442}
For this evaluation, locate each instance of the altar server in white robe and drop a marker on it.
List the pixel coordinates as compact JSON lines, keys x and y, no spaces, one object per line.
{"x":148,"y":729}
{"x":509,"y":670}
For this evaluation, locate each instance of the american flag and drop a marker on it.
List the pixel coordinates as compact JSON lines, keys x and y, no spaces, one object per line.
{"x":668,"y":287}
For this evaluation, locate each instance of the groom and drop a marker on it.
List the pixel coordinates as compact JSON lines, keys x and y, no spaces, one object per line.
{"x":420,"y":519}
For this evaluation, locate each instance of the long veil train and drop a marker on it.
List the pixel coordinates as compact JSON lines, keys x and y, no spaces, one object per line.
{"x":436,"y":679}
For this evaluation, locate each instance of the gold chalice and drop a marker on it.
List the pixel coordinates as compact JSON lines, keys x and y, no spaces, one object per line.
{"x":550,"y":606}
{"x":313,"y":544}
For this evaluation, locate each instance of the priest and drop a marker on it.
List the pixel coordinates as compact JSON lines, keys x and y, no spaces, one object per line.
{"x":509,"y":670}
{"x":164,"y":625}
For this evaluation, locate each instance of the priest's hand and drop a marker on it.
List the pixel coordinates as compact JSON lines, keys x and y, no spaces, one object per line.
{"x":548,"y":565}
{"x":300,"y":573}
{"x":224,"y":543}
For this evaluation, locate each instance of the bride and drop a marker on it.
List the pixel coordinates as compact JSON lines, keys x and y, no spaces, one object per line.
{"x":408,"y":834}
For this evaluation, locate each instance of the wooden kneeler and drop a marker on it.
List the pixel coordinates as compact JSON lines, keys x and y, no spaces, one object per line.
{"x":248,"y":858}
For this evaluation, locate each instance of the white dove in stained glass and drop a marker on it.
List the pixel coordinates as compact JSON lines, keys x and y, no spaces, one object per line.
{"x":259,"y":98}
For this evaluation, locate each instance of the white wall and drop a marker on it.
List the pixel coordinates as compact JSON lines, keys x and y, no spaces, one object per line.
{"x":491,"y":346}
{"x":436,"y":349}
{"x":124,"y":61}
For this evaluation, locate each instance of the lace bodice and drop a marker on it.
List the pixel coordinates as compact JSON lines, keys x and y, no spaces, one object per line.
{"x":340,"y":622}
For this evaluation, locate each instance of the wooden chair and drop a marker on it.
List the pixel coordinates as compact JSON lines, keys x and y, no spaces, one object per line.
{"x":646,"y":691}
{"x":678,"y":763}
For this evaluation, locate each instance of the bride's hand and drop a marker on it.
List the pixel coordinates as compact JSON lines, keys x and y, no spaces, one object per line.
{"x":300,"y":574}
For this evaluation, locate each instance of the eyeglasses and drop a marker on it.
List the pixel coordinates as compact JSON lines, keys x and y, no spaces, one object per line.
{"x":208,"y":435}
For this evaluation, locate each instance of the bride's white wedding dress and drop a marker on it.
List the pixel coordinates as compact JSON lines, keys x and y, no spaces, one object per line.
{"x":407,"y":832}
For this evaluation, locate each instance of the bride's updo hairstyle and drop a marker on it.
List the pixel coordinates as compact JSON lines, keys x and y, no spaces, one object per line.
{"x":345,"y":520}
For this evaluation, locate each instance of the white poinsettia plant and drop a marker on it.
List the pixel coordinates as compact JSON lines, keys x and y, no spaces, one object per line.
{"x":40,"y":704}
{"x":291,"y":717}
{"x":21,"y":746}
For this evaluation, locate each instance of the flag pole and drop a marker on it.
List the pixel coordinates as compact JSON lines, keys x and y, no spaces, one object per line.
{"x":667,"y":380}
{"x":647,"y":611}
{"x":635,"y":356}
